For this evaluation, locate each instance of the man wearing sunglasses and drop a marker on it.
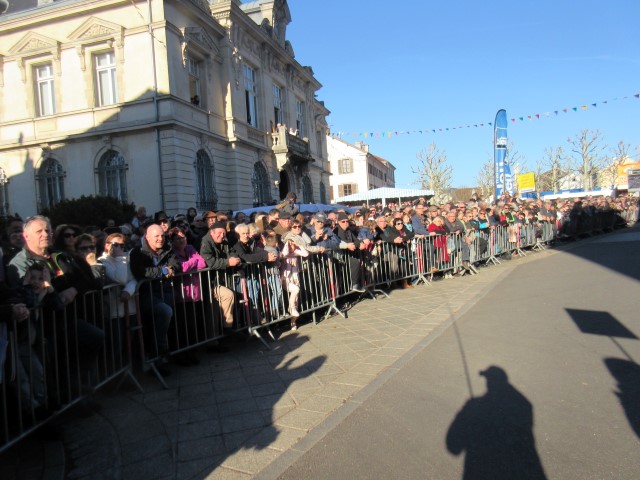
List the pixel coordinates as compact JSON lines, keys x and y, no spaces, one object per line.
{"x":350,"y":244}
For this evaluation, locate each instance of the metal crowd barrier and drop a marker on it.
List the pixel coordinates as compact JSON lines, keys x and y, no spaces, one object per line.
{"x":56,"y":359}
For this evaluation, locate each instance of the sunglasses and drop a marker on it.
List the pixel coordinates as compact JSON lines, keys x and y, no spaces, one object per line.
{"x":116,"y":244}
{"x":297,"y":227}
{"x":87,"y":248}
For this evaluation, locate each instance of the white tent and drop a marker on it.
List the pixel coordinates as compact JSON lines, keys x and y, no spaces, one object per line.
{"x":384,"y":194}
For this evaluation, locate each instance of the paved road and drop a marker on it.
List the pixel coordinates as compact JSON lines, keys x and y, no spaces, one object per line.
{"x":539,"y":379}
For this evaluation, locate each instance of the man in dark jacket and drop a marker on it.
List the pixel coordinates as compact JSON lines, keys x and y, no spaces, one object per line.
{"x":153,"y":264}
{"x":216,"y":252}
{"x":70,"y":283}
{"x":350,"y":244}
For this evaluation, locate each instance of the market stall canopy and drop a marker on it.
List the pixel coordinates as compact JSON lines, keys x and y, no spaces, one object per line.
{"x":386,"y":193}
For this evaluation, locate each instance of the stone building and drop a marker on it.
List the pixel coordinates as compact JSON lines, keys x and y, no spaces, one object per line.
{"x":165,"y":103}
{"x":355,"y":170}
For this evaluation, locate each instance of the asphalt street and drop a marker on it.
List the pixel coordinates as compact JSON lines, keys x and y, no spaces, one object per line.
{"x":539,"y":379}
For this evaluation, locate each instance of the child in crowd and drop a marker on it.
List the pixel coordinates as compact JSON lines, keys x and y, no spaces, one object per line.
{"x":290,"y":269}
{"x":270,"y":240}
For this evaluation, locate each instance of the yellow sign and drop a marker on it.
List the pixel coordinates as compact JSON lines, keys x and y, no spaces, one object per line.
{"x":526,"y":182}
{"x":623,"y":171}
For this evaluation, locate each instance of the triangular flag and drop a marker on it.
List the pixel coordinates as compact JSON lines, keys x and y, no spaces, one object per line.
{"x":637,"y":95}
{"x":575,"y":109}
{"x":513,"y":119}
{"x":594,"y":104}
{"x":537,"y":115}
{"x":584,"y":107}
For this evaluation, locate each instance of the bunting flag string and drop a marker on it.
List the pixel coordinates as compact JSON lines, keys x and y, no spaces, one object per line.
{"x":537,"y":116}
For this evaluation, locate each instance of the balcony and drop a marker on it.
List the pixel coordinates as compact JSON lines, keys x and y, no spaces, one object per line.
{"x":288,"y":147}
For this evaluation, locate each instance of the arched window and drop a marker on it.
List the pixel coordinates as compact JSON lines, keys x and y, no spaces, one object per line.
{"x":260,"y":183}
{"x":206,"y":196}
{"x":4,"y":195}
{"x":112,"y":175}
{"x":50,"y":178}
{"x":323,"y":193}
{"x":307,"y":190}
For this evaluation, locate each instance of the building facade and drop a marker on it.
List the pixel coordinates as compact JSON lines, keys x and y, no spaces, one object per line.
{"x":355,"y":170}
{"x":165,"y":103}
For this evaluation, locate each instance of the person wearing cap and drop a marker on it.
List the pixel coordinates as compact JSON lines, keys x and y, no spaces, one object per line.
{"x":321,"y":234}
{"x":351,"y":244}
{"x":162,"y":219}
{"x":216,"y":252}
{"x":209,"y":218}
{"x":284,"y":224}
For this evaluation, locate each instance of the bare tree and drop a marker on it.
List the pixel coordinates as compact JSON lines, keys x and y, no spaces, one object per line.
{"x":608,"y":175}
{"x":484,"y":178}
{"x":587,"y":159}
{"x":621,"y":152}
{"x":550,"y":169}
{"x":434,"y":173}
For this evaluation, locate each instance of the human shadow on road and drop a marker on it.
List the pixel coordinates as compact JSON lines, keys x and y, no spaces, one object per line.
{"x":627,"y":374}
{"x":495,"y":432}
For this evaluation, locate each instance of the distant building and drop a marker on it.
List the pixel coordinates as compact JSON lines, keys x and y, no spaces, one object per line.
{"x":187,"y":104}
{"x":355,"y":170}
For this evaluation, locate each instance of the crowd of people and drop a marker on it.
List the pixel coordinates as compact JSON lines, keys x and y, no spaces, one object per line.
{"x":43,"y":270}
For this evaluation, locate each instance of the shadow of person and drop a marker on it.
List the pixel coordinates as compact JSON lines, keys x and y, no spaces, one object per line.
{"x":627,"y":374}
{"x":495,"y":432}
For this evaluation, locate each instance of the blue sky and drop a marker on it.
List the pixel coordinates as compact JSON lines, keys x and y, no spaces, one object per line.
{"x":416,"y":65}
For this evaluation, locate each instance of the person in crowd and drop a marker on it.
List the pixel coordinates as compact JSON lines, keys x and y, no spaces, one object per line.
{"x":321,"y":234}
{"x":12,"y":240}
{"x":217,"y":254}
{"x":398,"y":256}
{"x":37,"y":293}
{"x":298,"y":236}
{"x":418,"y":221}
{"x":199,"y":229}
{"x":284,"y":224}
{"x":155,"y":264}
{"x":85,"y":254}
{"x":64,"y":238}
{"x":350,"y":244}
{"x":76,"y":339}
{"x":270,"y":221}
{"x":210,"y":218}
{"x":246,"y":250}
{"x":290,"y":268}
{"x":288,"y":205}
{"x":162,"y":219}
{"x":115,"y":262}
{"x":274,"y":282}
{"x":139,"y":219}
{"x":188,"y":314}
{"x":438,"y":232}
{"x":457,"y":239}
{"x":191,"y":215}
